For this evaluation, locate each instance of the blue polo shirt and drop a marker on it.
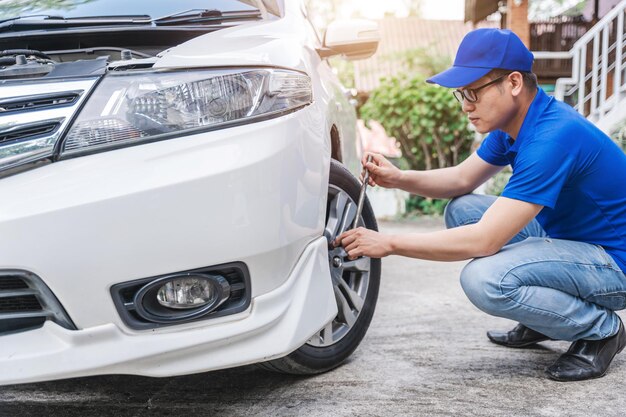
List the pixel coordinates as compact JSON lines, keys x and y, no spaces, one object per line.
{"x":566,"y":164}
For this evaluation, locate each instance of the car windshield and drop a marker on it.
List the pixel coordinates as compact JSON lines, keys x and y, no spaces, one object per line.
{"x":155,"y":9}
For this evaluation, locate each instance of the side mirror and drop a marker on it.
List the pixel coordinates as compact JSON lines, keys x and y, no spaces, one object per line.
{"x":354,"y":39}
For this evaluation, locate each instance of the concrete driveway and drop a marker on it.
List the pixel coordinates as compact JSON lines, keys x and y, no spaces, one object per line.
{"x":426,"y":354}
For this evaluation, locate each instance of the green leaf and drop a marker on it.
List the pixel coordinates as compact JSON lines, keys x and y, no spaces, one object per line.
{"x":414,"y":111}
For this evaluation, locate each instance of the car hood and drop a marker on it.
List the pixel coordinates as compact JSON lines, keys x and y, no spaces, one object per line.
{"x":268,"y":43}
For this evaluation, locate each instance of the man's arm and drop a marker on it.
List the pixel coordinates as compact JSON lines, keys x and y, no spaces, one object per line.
{"x":500,"y":223}
{"x":448,"y":182}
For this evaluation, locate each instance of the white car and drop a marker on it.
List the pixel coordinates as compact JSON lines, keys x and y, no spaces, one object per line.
{"x":170,"y":178}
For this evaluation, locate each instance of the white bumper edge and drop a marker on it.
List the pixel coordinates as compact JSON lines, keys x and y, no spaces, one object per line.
{"x":276,"y":324}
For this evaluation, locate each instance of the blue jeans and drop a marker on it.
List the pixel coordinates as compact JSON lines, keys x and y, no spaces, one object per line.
{"x":565,"y":289}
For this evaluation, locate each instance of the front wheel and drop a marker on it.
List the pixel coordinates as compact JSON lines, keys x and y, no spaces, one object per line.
{"x":355,"y":284}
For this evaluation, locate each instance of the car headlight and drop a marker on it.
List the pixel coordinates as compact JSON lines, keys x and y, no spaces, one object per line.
{"x":128,"y":109}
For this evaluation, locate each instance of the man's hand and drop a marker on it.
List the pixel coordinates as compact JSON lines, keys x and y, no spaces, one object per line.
{"x":364,"y":242}
{"x":382,"y":172}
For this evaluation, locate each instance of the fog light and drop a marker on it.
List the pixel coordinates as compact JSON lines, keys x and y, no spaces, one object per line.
{"x":181,"y":297}
{"x":187,"y":293}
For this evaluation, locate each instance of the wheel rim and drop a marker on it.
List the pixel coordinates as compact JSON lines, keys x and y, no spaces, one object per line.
{"x":350,"y":277}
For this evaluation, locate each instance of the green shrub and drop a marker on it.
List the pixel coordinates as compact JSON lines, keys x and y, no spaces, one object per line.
{"x":495,"y":185}
{"x":424,"y":205}
{"x":426,"y":120}
{"x":428,"y":123}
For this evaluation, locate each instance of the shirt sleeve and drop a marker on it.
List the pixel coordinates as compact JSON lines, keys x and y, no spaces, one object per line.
{"x":540,"y":173}
{"x":492,"y":149}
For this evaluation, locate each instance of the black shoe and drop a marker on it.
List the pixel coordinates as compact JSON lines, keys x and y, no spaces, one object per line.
{"x":586,"y":359}
{"x":521,"y":336}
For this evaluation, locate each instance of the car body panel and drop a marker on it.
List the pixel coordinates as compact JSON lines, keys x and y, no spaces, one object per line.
{"x":151,"y":209}
{"x":290,"y":42}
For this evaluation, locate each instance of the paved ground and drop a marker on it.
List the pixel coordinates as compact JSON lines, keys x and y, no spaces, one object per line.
{"x":425,"y":355}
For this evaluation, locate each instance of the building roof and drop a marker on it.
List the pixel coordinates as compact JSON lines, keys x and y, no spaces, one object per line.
{"x":402,"y":34}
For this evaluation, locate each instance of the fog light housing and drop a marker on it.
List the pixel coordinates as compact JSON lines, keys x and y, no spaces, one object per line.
{"x":181,"y":297}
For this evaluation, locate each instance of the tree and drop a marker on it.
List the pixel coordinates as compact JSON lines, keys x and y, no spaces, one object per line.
{"x":426,"y":119}
{"x":414,"y":7}
{"x":12,"y":8}
{"x":543,"y":9}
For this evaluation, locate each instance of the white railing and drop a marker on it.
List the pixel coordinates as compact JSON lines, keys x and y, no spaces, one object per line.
{"x":597,"y":86}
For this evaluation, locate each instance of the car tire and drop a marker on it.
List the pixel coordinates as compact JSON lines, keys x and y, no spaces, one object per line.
{"x":335,"y":343}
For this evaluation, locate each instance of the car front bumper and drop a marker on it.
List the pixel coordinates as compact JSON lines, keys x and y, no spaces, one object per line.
{"x":254,"y":194}
{"x":276,"y":323}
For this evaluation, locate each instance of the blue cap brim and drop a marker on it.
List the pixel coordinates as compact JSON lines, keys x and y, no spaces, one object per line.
{"x":456,"y":77}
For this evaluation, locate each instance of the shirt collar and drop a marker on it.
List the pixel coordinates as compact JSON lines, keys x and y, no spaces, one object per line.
{"x":538,"y":105}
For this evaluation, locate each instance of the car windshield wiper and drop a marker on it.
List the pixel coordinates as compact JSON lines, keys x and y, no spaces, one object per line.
{"x":193,"y":16}
{"x":30,"y":22}
{"x":45,"y":16}
{"x":186,"y":17}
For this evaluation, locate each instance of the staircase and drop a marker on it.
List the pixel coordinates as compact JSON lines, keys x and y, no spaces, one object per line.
{"x":597,"y":87}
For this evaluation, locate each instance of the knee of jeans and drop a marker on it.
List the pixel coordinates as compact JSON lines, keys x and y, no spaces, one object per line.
{"x":463,"y":209}
{"x":480,"y":281}
{"x":452,"y":210}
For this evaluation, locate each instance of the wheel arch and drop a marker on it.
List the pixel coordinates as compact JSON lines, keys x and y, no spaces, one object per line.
{"x":335,"y":141}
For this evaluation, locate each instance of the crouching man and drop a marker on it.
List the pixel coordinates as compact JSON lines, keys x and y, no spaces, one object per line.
{"x":550,"y":253}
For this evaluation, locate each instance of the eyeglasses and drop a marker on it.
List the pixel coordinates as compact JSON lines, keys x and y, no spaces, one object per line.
{"x":470,"y":95}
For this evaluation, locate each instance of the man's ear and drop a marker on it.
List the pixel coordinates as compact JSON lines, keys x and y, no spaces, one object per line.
{"x":517,"y":83}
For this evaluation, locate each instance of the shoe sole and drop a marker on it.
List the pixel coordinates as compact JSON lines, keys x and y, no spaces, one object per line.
{"x":575,"y":380}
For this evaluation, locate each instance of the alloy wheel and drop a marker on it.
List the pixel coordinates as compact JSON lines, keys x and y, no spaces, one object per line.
{"x":350,"y":277}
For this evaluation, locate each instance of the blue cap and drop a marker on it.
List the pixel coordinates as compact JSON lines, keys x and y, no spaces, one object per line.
{"x":481,"y":51}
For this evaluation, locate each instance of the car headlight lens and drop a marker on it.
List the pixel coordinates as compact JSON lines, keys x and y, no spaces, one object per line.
{"x":127,"y":109}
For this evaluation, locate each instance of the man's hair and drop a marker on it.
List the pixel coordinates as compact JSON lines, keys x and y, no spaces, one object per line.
{"x":529,"y":78}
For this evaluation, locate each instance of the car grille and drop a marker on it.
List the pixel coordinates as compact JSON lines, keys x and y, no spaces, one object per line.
{"x":28,"y":114}
{"x":12,"y":283}
{"x":26,"y":303}
{"x":29,"y":131}
{"x":236,"y":273}
{"x":14,"y":302}
{"x":39,"y":101}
